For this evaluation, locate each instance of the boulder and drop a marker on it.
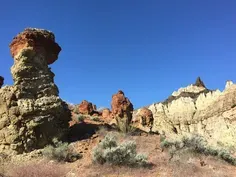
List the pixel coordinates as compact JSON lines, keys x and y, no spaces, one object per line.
{"x":85,"y":107}
{"x":106,"y":113}
{"x":143,"y":119}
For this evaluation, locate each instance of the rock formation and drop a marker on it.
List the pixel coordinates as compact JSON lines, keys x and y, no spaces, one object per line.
{"x":85,"y":107}
{"x":199,"y":83}
{"x":122,"y":108}
{"x":191,"y":91}
{"x":197,"y":110}
{"x":31,"y":112}
{"x":1,"y":81}
{"x":228,"y":84}
{"x":143,"y":119}
{"x":106,"y":113}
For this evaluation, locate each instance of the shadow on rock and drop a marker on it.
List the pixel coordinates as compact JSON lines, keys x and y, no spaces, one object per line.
{"x":84,"y":131}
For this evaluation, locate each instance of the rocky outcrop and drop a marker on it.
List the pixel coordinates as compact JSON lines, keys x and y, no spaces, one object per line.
{"x":208,"y":113}
{"x":192,"y":91}
{"x":85,"y":107}
{"x":196,"y":88}
{"x":121,"y":105}
{"x":31,"y":112}
{"x":143,"y":119}
{"x":228,"y":84}
{"x":106,"y":113}
{"x":1,"y":81}
{"x":122,"y":109}
{"x":199,"y":83}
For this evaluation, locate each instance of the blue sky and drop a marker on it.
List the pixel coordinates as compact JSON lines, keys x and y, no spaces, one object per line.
{"x":147,"y":48}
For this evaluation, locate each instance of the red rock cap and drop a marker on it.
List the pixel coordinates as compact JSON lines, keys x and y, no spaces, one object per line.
{"x":40,"y":40}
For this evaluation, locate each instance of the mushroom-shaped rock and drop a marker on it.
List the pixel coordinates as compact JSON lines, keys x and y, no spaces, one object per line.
{"x":38,"y":40}
{"x":1,"y":81}
{"x":37,"y":114}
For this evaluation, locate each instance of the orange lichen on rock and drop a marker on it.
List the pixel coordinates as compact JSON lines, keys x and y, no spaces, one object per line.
{"x":41,"y":41}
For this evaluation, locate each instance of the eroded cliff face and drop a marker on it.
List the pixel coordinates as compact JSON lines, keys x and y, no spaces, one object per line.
{"x":31,"y":112}
{"x":199,"y":111}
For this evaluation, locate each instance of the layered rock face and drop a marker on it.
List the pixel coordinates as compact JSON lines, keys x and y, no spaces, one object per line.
{"x":31,"y":112}
{"x":1,"y":81}
{"x":199,"y":111}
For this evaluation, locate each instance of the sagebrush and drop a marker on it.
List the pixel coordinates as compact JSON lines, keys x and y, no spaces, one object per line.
{"x":108,"y":151}
{"x":80,"y":118}
{"x":197,"y":144}
{"x":60,"y":151}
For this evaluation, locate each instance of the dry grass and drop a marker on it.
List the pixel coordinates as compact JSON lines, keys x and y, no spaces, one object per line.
{"x":183,"y":163}
{"x":37,"y":169}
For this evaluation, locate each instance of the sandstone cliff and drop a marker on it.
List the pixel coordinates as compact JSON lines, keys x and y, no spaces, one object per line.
{"x":197,"y":110}
{"x":31,"y":112}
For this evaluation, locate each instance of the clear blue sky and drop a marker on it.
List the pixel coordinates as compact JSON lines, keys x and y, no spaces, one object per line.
{"x":147,"y":48}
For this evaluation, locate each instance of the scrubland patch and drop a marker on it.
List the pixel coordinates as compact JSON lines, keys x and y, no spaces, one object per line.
{"x":125,"y":153}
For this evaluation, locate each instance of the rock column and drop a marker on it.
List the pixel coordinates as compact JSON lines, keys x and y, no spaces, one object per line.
{"x":38,"y":115}
{"x":122,"y":109}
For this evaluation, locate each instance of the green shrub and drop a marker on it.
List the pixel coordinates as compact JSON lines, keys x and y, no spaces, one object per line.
{"x":60,"y":152}
{"x":165,"y":144}
{"x":197,"y":144}
{"x":81,"y":118}
{"x":226,"y":156}
{"x":107,"y":151}
{"x":124,"y":125}
{"x":95,"y":118}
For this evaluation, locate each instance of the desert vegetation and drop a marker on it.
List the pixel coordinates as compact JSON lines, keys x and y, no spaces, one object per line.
{"x":108,"y":151}
{"x":197,"y":144}
{"x":40,"y":135}
{"x":37,"y":169}
{"x":60,"y":151}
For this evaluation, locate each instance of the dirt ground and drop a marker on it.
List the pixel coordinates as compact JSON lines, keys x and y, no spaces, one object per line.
{"x":185,"y":164}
